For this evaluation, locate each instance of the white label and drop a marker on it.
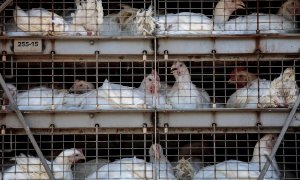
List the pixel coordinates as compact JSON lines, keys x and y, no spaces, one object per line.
{"x":27,"y":45}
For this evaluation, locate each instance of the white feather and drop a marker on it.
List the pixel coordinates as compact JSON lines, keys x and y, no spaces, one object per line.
{"x":184,"y":94}
{"x":39,"y":21}
{"x":282,"y":22}
{"x":184,"y":23}
{"x":234,"y":169}
{"x":29,"y":167}
{"x":280,"y":92}
{"x":40,"y":98}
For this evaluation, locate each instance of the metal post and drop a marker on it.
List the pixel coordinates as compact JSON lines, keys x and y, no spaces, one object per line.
{"x":4,"y":4}
{"x":26,"y":128}
{"x":280,"y":137}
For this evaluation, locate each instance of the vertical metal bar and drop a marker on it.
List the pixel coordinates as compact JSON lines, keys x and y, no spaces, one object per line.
{"x":26,"y":128}
{"x":97,"y":79}
{"x":52,"y":80}
{"x":5,"y":4}
{"x":280,"y":137}
{"x":214,"y":79}
{"x":214,"y":147}
{"x":2,"y":154}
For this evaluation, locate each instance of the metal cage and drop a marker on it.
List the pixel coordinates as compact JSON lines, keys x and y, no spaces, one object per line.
{"x":154,"y":18}
{"x":151,"y":84}
{"x":160,"y":89}
{"x":197,"y":149}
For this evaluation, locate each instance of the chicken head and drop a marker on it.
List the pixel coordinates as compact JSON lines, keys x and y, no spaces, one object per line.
{"x":289,"y":9}
{"x":81,"y":86}
{"x":264,"y":147}
{"x":151,"y":83}
{"x":241,"y":77}
{"x":70,"y":156}
{"x":179,"y":69}
{"x":156,"y":151}
{"x":232,"y":5}
{"x":225,"y":8}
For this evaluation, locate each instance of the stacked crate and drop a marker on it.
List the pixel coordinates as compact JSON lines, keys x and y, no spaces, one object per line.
{"x":113,"y":121}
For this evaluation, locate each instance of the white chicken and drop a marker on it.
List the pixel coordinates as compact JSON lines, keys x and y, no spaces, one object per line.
{"x":196,"y":23}
{"x":234,"y":169}
{"x":281,"y":92}
{"x":91,"y":100}
{"x":282,"y":22}
{"x":116,"y":96}
{"x":129,"y":21}
{"x":81,"y":86}
{"x":89,"y":14}
{"x":113,"y":24}
{"x":137,"y":21}
{"x":163,"y":167}
{"x":184,"y":94}
{"x":123,"y":96}
{"x":134,"y":168}
{"x":150,"y":86}
{"x":39,"y":21}
{"x":29,"y":167}
{"x":240,"y":77}
{"x":285,"y":86}
{"x":82,"y":170}
{"x":145,"y":96}
{"x":39,"y":98}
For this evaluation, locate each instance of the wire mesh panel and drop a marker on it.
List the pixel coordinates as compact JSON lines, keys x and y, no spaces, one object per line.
{"x":117,"y":18}
{"x":161,"y":85}
{"x":81,"y":85}
{"x":136,"y":156}
{"x":230,"y":84}
{"x":78,"y":18}
{"x":227,"y":17}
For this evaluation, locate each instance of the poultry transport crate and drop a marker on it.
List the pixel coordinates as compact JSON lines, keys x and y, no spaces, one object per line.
{"x":182,"y":89}
{"x":101,"y":84}
{"x":202,"y":154}
{"x":218,"y":135}
{"x":158,"y":18}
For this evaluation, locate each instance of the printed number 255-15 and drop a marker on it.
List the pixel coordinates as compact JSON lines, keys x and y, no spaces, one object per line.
{"x":26,"y":44}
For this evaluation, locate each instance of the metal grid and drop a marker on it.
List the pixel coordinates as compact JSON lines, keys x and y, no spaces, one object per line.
{"x":135,"y":18}
{"x":150,"y":84}
{"x":201,"y":150}
{"x":227,"y":17}
{"x":77,"y":18}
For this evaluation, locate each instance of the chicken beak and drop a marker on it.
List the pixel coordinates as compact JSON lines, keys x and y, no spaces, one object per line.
{"x":240,"y":5}
{"x":173,"y":69}
{"x":81,"y":154}
{"x":230,"y":81}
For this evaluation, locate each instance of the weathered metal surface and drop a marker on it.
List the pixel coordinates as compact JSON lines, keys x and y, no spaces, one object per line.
{"x":192,"y":119}
{"x":229,"y":45}
{"x":90,"y":46}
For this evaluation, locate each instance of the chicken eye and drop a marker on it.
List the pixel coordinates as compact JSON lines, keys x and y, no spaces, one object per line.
{"x":150,"y":79}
